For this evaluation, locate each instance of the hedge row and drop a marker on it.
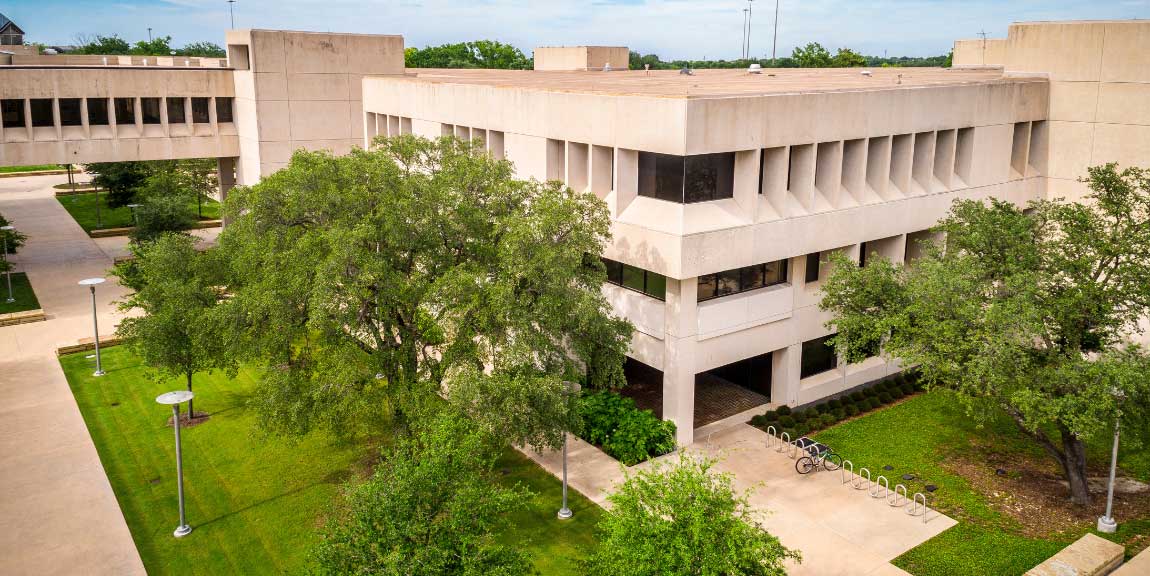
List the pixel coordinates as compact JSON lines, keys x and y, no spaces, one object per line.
{"x":798,"y":423}
{"x":626,"y":433}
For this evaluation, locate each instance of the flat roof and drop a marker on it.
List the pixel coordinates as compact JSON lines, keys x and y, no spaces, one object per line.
{"x":710,"y":83}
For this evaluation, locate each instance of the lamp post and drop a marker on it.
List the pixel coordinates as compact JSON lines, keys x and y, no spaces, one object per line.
{"x":7,"y":269}
{"x":1106,"y":523}
{"x":749,"y":14}
{"x":565,"y":513}
{"x":91,"y":283}
{"x":232,"y":12}
{"x":743,"y":47}
{"x":174,"y":399}
{"x":775,"y":40}
{"x":135,"y":218}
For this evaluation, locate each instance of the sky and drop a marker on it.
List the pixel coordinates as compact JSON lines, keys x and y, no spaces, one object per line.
{"x":688,"y":29}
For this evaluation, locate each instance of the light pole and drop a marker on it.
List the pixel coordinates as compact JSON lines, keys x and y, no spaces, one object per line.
{"x":91,"y":283}
{"x":565,"y":513}
{"x":749,"y":15}
{"x":775,"y":40}
{"x":743,"y":47}
{"x":135,"y":218}
{"x":149,"y":34}
{"x":232,"y":12}
{"x":174,"y":399}
{"x":8,"y":265}
{"x":1106,"y":523}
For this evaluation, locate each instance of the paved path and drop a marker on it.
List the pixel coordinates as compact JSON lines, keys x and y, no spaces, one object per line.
{"x":839,"y":530}
{"x":58,"y":514}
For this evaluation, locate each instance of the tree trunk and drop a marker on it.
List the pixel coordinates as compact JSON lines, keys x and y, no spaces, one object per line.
{"x":1074,"y":467}
{"x":191,"y":407}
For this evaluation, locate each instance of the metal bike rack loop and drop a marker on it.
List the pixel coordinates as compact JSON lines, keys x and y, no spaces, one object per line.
{"x":895,"y":499}
{"x":914,"y":506}
{"x":771,"y":435}
{"x":843,"y":471}
{"x":858,"y":484}
{"x":880,"y":482}
{"x":786,"y":439}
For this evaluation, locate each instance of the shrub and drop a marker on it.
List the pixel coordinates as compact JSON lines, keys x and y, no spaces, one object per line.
{"x":800,"y":430}
{"x":626,"y":433}
{"x":835,"y":404}
{"x":786,"y":421}
{"x":907,"y":389}
{"x":900,"y":379}
{"x":799,"y":415}
{"x":15,"y":238}
{"x":784,"y":410}
{"x":856,"y":397}
{"x":870,"y":392}
{"x":602,"y":412}
{"x":790,"y":432}
{"x":840,"y":413}
{"x":771,"y":416}
{"x":873,"y":403}
{"x":822,"y":408}
{"x":828,"y":420}
{"x":896,"y":393}
{"x":884,"y":397}
{"x":758,"y":420}
{"x":851,"y":409}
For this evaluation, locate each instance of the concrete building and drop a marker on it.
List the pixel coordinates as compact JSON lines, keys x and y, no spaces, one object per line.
{"x":726,"y":189}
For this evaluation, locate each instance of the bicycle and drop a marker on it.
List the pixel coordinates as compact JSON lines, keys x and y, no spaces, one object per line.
{"x":818,"y":456}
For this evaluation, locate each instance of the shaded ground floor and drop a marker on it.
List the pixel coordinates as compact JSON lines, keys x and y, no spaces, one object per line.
{"x":719,"y":393}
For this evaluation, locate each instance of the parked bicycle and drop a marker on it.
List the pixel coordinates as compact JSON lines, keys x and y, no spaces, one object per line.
{"x":815,"y":456}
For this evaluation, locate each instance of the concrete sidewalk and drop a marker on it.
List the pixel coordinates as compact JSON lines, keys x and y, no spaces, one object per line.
{"x":58,"y":514}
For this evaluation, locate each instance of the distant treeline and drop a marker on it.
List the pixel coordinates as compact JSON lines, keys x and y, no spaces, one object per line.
{"x":813,"y":55}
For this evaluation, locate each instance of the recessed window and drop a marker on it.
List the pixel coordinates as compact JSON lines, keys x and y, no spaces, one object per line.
{"x":818,"y":357}
{"x":12,"y":113}
{"x":813,"y":267}
{"x":70,"y":112}
{"x":176,"y":111}
{"x":200,"y":110}
{"x":637,"y":279}
{"x":42,"y":116}
{"x":687,"y":179}
{"x":150,"y":109}
{"x":125,"y":111}
{"x":97,"y":111}
{"x":223,"y":110}
{"x":741,"y":280}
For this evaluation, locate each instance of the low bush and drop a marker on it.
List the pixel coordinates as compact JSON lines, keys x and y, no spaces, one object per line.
{"x":784,"y":410}
{"x":873,"y":402}
{"x":907,"y":389}
{"x":623,"y":431}
{"x":771,"y":416}
{"x":822,"y":408}
{"x":856,"y":397}
{"x":786,"y":421}
{"x":835,"y":404}
{"x":840,"y":413}
{"x":870,"y":392}
{"x":790,"y":432}
{"x":828,"y":420}
{"x":896,"y":393}
{"x":759,"y":420}
{"x":885,"y":397}
{"x":799,"y":415}
{"x":851,"y":409}
{"x":800,"y":430}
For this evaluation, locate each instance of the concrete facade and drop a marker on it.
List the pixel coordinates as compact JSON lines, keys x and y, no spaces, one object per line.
{"x":798,"y":163}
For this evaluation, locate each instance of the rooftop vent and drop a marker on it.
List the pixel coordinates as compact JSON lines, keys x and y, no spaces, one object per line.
{"x":686,"y":71}
{"x":755,"y":68}
{"x":866,"y":73}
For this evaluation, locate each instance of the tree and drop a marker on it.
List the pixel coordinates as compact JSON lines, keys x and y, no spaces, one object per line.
{"x":13,"y":237}
{"x":363,"y":283}
{"x":175,"y":288}
{"x":102,"y":45}
{"x":203,"y":49}
{"x":430,"y":508}
{"x":684,"y":519}
{"x":121,"y":179}
{"x":165,"y":204}
{"x":159,"y":46}
{"x":477,"y":54}
{"x":1027,"y":312}
{"x":199,"y":177}
{"x":813,"y":55}
{"x":847,"y":58}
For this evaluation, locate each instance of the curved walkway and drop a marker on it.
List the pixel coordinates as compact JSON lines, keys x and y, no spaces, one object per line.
{"x":58,"y":514}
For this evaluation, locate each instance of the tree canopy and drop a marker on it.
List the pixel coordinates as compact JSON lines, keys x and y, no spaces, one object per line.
{"x":477,"y":54}
{"x":361,"y":283}
{"x":844,"y":58}
{"x":160,"y":46}
{"x":684,"y":519}
{"x":1025,"y":311}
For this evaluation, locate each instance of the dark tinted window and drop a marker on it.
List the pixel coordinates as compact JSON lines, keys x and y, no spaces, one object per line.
{"x":614,"y":271}
{"x":97,"y":111}
{"x":150,"y":109}
{"x":741,"y":279}
{"x":686,"y":179}
{"x":125,"y":110}
{"x":637,"y":279}
{"x":200,"y":110}
{"x":661,"y":176}
{"x":176,"y":111}
{"x":70,"y":112}
{"x":42,"y":112}
{"x":12,"y":112}
{"x":223,"y":110}
{"x":813,"y":267}
{"x":862,"y":254}
{"x":818,"y":357}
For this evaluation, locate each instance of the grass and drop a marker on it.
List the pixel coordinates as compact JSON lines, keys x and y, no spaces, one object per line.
{"x":21,"y":291}
{"x":256,"y":503}
{"x":82,"y":207}
{"x":919,"y":436}
{"x":38,"y":167}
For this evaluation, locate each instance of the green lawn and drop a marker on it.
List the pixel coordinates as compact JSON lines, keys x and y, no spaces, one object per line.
{"x":920,"y":436}
{"x":21,"y":291}
{"x":256,"y":503}
{"x":9,"y":169}
{"x":82,"y":207}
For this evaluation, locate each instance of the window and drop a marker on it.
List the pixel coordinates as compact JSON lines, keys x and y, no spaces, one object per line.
{"x":125,"y":110}
{"x":12,"y":113}
{"x":150,"y":109}
{"x":862,"y":254}
{"x":813,"y":267}
{"x":97,"y":111}
{"x":637,"y":279}
{"x":223,"y":110}
{"x":741,"y":280}
{"x":818,"y":356}
{"x":176,"y":111}
{"x":687,"y":179}
{"x":42,"y":113}
{"x":200,"y":113}
{"x":70,"y":112}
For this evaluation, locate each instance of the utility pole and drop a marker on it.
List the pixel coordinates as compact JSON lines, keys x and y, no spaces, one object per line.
{"x":232,"y":12}
{"x":743,"y":46}
{"x":775,"y":41}
{"x":149,"y":34}
{"x":749,"y":15}
{"x":982,"y":33}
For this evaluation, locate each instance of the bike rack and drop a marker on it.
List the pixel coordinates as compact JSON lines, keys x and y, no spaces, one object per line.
{"x":894,"y":497}
{"x":843,"y":472}
{"x":882,"y":482}
{"x":771,"y":435}
{"x":793,"y":451}
{"x":786,"y":439}
{"x":914,"y":506}
{"x":858,"y":480}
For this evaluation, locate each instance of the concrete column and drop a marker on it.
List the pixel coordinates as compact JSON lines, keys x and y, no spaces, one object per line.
{"x":212,"y":120}
{"x":138,"y":105}
{"x":681,"y":328}
{"x":164,"y":117}
{"x":747,"y":182}
{"x":191,"y":127}
{"x":113,"y":122}
{"x":785,"y":368}
{"x":28,"y":119}
{"x":226,"y":175}
{"x":626,"y":179}
{"x":84,"y":118}
{"x":57,"y":123}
